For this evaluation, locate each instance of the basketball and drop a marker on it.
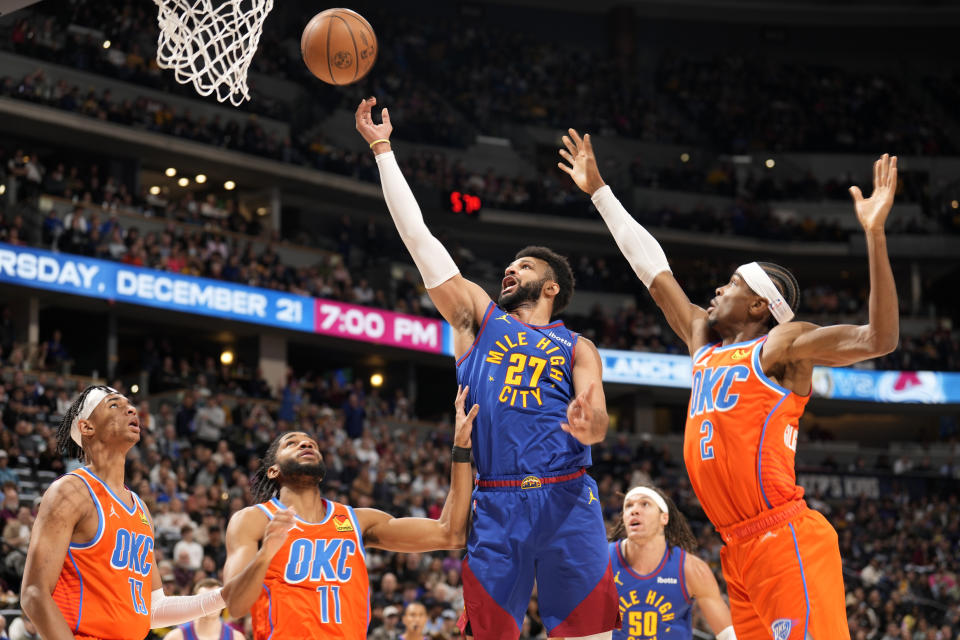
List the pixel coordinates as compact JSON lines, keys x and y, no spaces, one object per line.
{"x":338,"y":46}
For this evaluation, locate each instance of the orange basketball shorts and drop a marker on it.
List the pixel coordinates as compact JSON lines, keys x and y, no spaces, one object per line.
{"x":784,"y":576}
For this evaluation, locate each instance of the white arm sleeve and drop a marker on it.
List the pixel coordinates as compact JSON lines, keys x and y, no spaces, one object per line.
{"x":641,"y":249}
{"x":166,"y":611}
{"x":435,"y":264}
{"x":727,"y":634}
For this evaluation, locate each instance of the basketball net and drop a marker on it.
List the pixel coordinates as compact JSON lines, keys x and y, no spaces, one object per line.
{"x":210,"y":43}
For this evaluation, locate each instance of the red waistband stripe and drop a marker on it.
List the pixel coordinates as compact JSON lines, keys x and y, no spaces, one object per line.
{"x":529,"y":482}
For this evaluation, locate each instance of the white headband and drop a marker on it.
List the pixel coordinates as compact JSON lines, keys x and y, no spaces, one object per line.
{"x":650,"y":493}
{"x":758,"y":280}
{"x":94,"y":397}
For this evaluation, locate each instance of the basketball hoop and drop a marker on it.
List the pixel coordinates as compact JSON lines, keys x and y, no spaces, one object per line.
{"x":210,"y":43}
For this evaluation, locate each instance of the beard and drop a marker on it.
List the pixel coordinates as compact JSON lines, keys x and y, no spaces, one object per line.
{"x":522,"y":294}
{"x":292,"y":468}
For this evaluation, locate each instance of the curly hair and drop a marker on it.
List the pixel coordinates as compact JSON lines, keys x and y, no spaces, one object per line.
{"x":560,"y":272}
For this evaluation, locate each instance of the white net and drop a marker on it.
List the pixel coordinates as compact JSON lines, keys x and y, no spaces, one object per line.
{"x":211,"y":43}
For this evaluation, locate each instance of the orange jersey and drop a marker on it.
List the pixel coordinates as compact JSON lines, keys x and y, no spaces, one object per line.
{"x":317,"y":585}
{"x":741,"y":434}
{"x":104,"y":586}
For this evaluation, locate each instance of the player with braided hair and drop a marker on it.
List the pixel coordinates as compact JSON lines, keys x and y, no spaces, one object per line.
{"x":751,"y":383}
{"x":657,"y":576}
{"x":299,"y":560}
{"x":90,"y":570}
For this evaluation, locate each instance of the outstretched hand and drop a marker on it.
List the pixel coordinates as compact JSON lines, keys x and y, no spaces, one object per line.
{"x":582,"y":163}
{"x":579,"y":422}
{"x":463,"y":432}
{"x":369,"y":129}
{"x":872,"y":212}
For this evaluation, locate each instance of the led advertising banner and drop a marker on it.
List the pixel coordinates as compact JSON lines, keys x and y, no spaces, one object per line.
{"x":354,"y":322}
{"x":78,"y":275}
{"x":865,"y":385}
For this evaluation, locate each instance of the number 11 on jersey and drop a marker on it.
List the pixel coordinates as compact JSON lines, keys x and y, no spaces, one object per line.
{"x":334,"y":595}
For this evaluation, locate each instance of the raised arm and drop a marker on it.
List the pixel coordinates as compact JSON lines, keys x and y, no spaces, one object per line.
{"x":845,"y":344}
{"x":461,"y":302}
{"x":408,"y":535}
{"x":587,"y":419}
{"x":63,"y":505}
{"x":641,"y":249}
{"x":248,"y":559}
{"x":702,"y":586}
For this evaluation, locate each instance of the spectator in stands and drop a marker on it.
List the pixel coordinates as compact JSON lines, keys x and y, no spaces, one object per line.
{"x":55,"y":353}
{"x":16,"y":538}
{"x":354,"y":416}
{"x":75,"y":238}
{"x":188,"y":411}
{"x":388,"y":593}
{"x":170,"y":518}
{"x":188,"y":545}
{"x":7,"y":474}
{"x":210,"y":420}
{"x":51,"y":229}
{"x":390,"y":629}
{"x":16,"y":533}
{"x":11,"y":502}
{"x":215,"y":547}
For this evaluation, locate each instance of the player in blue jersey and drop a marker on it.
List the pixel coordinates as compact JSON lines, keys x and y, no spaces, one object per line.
{"x":210,"y":627}
{"x":536,"y":513}
{"x":657,"y":577}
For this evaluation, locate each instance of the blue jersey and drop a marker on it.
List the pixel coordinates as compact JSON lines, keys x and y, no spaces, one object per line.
{"x":521,"y":376}
{"x":655,"y":606}
{"x":190,"y":632}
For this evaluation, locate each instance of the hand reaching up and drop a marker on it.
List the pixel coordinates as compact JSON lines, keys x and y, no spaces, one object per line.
{"x":370,"y":130}
{"x":582,"y":163}
{"x":872,"y":212}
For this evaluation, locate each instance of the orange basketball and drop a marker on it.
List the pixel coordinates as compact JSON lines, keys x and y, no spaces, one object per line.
{"x":338,"y":46}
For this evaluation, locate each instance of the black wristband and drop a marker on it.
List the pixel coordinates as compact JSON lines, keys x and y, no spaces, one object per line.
{"x":461,"y":454}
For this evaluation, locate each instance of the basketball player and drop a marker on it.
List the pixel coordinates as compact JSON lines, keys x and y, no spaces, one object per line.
{"x":751,"y":382}
{"x":536,"y":514}
{"x":656,"y":575}
{"x":90,"y":571}
{"x":209,"y":627}
{"x":299,"y":560}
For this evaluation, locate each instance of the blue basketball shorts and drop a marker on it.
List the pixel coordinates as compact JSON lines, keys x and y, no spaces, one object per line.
{"x":546,"y":528}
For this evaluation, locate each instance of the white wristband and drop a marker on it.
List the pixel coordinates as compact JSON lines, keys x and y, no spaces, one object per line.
{"x":641,"y":249}
{"x":435,"y":264}
{"x":727,"y":634}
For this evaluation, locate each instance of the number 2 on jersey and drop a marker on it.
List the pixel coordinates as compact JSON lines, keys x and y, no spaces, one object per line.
{"x":518,"y":362}
{"x":706,"y":449}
